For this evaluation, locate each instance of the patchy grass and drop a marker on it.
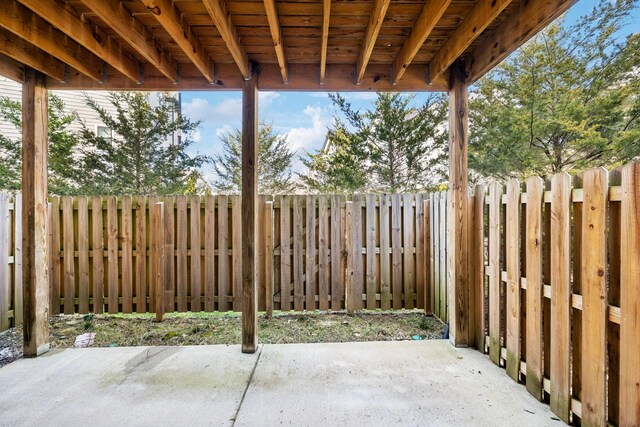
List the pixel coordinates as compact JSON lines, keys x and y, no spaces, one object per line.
{"x":219,"y":328}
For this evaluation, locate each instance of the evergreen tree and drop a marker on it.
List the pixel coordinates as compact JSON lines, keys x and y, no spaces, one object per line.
{"x":147,"y":151}
{"x":566,"y":101}
{"x":274,"y":163}
{"x":62,"y":146}
{"x":394,"y":147}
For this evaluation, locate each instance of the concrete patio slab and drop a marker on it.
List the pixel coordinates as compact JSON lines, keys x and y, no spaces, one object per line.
{"x":375,"y":383}
{"x":136,"y":386}
{"x":407,"y":383}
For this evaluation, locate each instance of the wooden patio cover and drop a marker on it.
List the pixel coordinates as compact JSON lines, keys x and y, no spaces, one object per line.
{"x":305,"y":45}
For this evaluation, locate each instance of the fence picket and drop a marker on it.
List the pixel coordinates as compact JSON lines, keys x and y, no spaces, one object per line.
{"x":126,"y":263}
{"x":182,"y":283}
{"x":370,"y":242}
{"x":97,"y":244}
{"x":630,"y":296}
{"x":408,"y":242}
{"x":385,"y":254}
{"x":420,"y":259}
{"x":324,"y":262}
{"x":17,"y":258}
{"x":269,"y":258}
{"x":444,"y":268}
{"x":5,"y":278}
{"x":560,"y":295}
{"x":83,"y":255}
{"x":337,"y":247}
{"x":209,"y":253}
{"x":68,"y":254}
{"x":594,"y":296}
{"x":141,"y":254}
{"x":310,"y":254}
{"x":396,"y":252}
{"x":236,"y":254}
{"x":223,"y":253}
{"x":513,"y":279}
{"x":477,"y":257}
{"x":112,"y":255}
{"x":533,"y":254}
{"x":196,"y":275}
{"x":298,"y":264}
{"x":285,"y":253}
{"x":495,"y":207}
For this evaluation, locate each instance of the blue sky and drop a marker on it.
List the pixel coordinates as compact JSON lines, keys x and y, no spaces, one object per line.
{"x":302,"y":116}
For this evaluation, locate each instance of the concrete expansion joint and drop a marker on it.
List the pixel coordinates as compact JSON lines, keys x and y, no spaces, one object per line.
{"x":253,"y":371}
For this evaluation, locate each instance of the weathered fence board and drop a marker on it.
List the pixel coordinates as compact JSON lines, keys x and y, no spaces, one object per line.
{"x":578,"y":313}
{"x":101,"y":257}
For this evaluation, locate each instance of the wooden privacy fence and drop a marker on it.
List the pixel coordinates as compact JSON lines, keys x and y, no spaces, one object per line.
{"x":556,"y":289}
{"x":314,"y":252}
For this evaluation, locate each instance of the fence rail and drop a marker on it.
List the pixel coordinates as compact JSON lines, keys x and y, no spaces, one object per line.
{"x":314,"y":252}
{"x":556,"y":280}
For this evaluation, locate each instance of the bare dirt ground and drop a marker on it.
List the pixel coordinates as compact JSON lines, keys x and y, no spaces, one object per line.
{"x":219,"y":328}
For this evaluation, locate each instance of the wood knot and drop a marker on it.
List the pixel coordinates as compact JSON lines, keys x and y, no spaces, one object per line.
{"x":154,"y":9}
{"x":600,"y":272}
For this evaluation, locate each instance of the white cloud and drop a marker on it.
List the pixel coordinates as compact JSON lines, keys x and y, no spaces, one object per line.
{"x":229,"y":109}
{"x":308,"y":138}
{"x":266,"y":98}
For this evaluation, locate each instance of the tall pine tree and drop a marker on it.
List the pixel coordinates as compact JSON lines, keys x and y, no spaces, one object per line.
{"x":394,"y":147}
{"x":147,"y":151}
{"x":274,"y":163}
{"x":566,"y":101}
{"x":62,"y":147}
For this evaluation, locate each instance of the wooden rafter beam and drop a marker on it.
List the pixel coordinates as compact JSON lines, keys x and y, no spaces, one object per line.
{"x":479,"y":18}
{"x":19,"y":50}
{"x":525,"y":22}
{"x":222,"y":19}
{"x":35,"y":30}
{"x":276,"y":35}
{"x":66,"y":19}
{"x":169,"y":18}
{"x":376,"y":18}
{"x":427,"y":20}
{"x":11,"y":69}
{"x":326,"y":15}
{"x":120,"y":20}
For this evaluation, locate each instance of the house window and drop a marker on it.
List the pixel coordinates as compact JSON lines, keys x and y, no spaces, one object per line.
{"x":104,"y":132}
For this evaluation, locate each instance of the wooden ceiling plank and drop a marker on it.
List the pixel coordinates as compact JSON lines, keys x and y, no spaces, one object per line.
{"x":302,"y":77}
{"x":525,"y":22}
{"x":19,"y":50}
{"x":25,"y":24}
{"x":169,"y":18}
{"x":94,"y":40}
{"x":11,"y":69}
{"x":118,"y":18}
{"x":326,"y":15}
{"x":376,"y":18}
{"x":429,"y":17}
{"x":478,"y":19}
{"x":276,"y":35}
{"x":222,"y":19}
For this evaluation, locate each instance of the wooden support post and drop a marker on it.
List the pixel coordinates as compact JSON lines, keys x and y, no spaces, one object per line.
{"x":35,"y":226}
{"x":458,"y":248}
{"x":249,"y":219}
